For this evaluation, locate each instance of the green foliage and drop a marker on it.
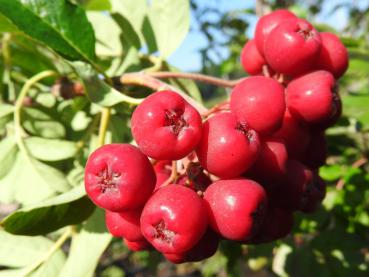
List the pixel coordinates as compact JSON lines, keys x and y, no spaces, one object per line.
{"x":89,"y":44}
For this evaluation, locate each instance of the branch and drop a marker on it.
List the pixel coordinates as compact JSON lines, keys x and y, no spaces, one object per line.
{"x":145,"y":80}
{"x":359,"y":163}
{"x":194,"y":76}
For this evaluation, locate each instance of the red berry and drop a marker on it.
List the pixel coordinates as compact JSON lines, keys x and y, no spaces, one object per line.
{"x":313,"y":97}
{"x":165,"y":126}
{"x":270,"y":167}
{"x":227,"y":147}
{"x":316,"y":152}
{"x":126,"y":224}
{"x":295,"y":135}
{"x":119,"y":177}
{"x":251,"y":60}
{"x":259,"y":101}
{"x":278,"y":223}
{"x":205,"y":248}
{"x":267,"y":23}
{"x":137,"y":245}
{"x":293,"y":47}
{"x":236,"y":207}
{"x":333,"y":55}
{"x":162,"y":172}
{"x":174,"y":219}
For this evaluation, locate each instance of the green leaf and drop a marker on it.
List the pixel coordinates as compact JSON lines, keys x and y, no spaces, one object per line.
{"x":22,"y":251}
{"x":41,"y":124}
{"x":8,"y":150}
{"x":97,"y":5}
{"x":170,"y":21}
{"x":31,"y":181}
{"x":134,"y":11}
{"x":59,"y":24}
{"x":50,"y":149}
{"x":107,"y":43}
{"x":6,"y":114}
{"x":356,"y":106}
{"x":6,"y":25}
{"x":94,"y":237}
{"x":96,"y":89}
{"x":69,"y":208}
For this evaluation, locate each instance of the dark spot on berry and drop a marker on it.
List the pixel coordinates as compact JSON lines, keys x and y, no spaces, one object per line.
{"x":162,"y":233}
{"x":108,"y":179}
{"x":174,"y":119}
{"x":245,"y":130}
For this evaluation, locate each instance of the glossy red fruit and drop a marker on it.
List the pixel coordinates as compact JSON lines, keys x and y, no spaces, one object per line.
{"x":174,"y":219}
{"x":295,"y":135}
{"x":118,"y":177}
{"x":205,"y":248}
{"x":312,"y":98}
{"x":317,"y":151}
{"x":260,"y":102}
{"x":135,"y":246}
{"x":270,"y":168}
{"x":278,"y":223}
{"x":228,"y":147}
{"x":125,"y":225}
{"x":236,"y":207}
{"x":267,"y":23}
{"x":165,"y":126}
{"x":333,"y":55}
{"x":293,"y":47}
{"x":252,"y":61}
{"x":292,"y":193}
{"x":163,"y":170}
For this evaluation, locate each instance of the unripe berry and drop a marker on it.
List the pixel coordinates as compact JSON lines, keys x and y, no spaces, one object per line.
{"x":118,"y":177}
{"x":313,"y":98}
{"x":333,"y":55}
{"x":165,"y":126}
{"x":267,"y":23}
{"x":227,"y":147}
{"x":236,"y":207}
{"x":293,"y":47}
{"x":259,"y":101}
{"x":174,"y":219}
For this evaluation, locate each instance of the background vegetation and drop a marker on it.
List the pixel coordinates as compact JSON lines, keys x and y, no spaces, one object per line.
{"x":59,"y":101}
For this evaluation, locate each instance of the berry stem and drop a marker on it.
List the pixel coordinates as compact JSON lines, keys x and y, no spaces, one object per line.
{"x":197,"y":77}
{"x":104,"y":123}
{"x":145,"y":80}
{"x":18,"y":106}
{"x":173,"y":176}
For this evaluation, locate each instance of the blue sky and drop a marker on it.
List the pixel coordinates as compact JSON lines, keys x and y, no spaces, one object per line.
{"x":187,"y":58}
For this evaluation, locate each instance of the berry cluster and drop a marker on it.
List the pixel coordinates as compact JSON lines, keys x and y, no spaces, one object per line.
{"x":238,"y":172}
